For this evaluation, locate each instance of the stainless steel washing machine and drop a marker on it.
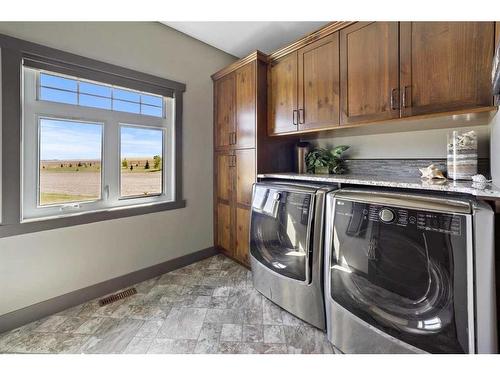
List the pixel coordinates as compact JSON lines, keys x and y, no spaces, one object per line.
{"x":409,"y":273}
{"x":286,"y":246}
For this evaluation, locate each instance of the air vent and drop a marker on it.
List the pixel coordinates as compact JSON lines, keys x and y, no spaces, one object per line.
{"x":115,"y":297}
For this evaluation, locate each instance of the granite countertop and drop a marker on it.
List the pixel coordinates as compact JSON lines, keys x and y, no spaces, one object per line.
{"x":485,"y":191}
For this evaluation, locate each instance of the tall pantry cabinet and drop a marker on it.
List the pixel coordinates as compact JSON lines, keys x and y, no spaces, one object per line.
{"x":240,"y":101}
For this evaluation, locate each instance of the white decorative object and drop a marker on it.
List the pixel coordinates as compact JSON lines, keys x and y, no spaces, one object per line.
{"x":462,"y":155}
{"x":479,"y":178}
{"x":431,"y":172}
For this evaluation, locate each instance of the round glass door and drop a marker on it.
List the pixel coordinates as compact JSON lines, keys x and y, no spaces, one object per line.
{"x":398,"y":272}
{"x":279,"y":233}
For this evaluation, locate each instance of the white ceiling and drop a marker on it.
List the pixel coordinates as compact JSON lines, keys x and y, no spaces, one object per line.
{"x":241,"y":38}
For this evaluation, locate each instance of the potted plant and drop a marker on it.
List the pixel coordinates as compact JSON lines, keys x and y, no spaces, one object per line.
{"x":323,"y":161}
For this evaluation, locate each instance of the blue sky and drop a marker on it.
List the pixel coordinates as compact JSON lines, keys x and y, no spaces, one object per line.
{"x":140,"y":142}
{"x":68,"y":140}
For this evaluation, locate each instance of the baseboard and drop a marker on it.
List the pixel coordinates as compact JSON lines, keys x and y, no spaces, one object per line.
{"x":51,"y":306}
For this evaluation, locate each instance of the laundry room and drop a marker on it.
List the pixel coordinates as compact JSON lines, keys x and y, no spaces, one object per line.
{"x":219,"y":185}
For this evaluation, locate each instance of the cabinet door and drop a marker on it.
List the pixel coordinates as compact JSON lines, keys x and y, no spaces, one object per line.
{"x":245,"y":176}
{"x":283,"y":95}
{"x":318,"y":84}
{"x":369,"y":72}
{"x":497,"y":33}
{"x":242,"y":234}
{"x":445,"y":66}
{"x":224,"y":111}
{"x":223,"y":220}
{"x":224,"y":175}
{"x":245,"y":106}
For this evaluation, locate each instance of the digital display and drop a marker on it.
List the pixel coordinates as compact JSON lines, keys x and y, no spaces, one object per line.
{"x":436,"y":222}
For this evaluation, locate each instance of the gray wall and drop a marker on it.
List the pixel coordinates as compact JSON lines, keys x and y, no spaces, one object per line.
{"x":35,"y":267}
{"x":422,"y":144}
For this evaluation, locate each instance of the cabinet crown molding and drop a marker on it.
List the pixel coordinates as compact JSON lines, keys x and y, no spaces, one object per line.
{"x":315,"y":35}
{"x":254,"y":56}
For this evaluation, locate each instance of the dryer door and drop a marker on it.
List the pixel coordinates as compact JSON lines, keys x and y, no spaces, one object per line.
{"x":281,"y":228}
{"x":403,"y":271}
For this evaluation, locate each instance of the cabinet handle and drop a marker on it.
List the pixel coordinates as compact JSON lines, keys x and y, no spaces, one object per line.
{"x":294,"y":115}
{"x":234,"y":138}
{"x":230,"y":135}
{"x":394,"y":106}
{"x":404,"y":97}
{"x":301,"y":116}
{"x":234,"y":160}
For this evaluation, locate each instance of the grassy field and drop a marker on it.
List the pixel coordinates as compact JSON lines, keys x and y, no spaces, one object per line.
{"x":65,"y":181}
{"x":52,"y":198}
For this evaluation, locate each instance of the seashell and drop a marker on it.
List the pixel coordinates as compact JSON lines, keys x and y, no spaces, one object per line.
{"x":431,"y":172}
{"x":479,"y":178}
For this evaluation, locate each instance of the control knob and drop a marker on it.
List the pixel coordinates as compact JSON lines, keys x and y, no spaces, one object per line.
{"x":386,"y":215}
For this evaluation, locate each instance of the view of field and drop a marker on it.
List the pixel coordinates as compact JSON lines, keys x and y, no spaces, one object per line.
{"x":64,"y":181}
{"x":71,"y":154}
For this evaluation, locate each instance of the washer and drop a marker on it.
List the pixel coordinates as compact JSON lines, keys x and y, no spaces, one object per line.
{"x":409,"y":273}
{"x":286,"y":246}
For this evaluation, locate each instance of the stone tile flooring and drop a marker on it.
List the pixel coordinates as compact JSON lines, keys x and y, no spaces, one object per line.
{"x":207,"y":307}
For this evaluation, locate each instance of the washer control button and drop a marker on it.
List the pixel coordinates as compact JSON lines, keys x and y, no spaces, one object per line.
{"x":386,"y":215}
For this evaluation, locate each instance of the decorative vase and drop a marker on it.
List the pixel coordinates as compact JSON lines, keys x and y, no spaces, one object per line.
{"x":462,"y":155}
{"x":321,"y":170}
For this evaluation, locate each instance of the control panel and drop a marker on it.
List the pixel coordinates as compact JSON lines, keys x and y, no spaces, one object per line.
{"x":421,"y":220}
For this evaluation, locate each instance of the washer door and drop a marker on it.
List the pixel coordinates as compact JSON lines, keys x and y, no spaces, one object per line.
{"x":404,"y":272}
{"x":280,"y":230}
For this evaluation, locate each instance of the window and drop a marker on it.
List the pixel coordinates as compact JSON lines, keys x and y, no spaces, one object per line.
{"x":141,"y":161}
{"x":75,"y":91}
{"x":90,"y":146}
{"x":70,"y":161}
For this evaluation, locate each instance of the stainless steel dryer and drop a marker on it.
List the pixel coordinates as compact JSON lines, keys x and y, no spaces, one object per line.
{"x":409,"y":273}
{"x":286,"y":246}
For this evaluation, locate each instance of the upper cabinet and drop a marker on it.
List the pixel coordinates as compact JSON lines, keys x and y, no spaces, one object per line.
{"x":234,"y":97}
{"x":369,"y":72}
{"x":304,"y":88}
{"x":318,"y":84}
{"x":445,"y":66}
{"x":282,"y":85}
{"x":224,"y":97}
{"x":245,"y":106}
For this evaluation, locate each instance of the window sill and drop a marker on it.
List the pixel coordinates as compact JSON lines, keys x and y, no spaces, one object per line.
{"x":78,"y":218}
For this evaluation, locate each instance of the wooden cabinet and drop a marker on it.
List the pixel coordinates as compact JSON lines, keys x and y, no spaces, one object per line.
{"x":304,"y":88}
{"x":242,"y":234}
{"x":224,"y":175}
{"x":445,"y":66}
{"x":235,"y":173}
{"x":245,"y":175}
{"x":223,"y":238}
{"x":318,"y":84}
{"x":224,"y":97}
{"x":283,"y":117}
{"x":245,"y":107}
{"x":497,"y":33}
{"x":369,"y":72}
{"x":240,"y":96}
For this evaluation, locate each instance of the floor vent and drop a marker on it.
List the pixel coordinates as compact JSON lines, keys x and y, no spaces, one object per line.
{"x":115,"y":297}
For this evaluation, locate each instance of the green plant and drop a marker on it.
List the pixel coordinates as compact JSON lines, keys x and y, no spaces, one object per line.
{"x":323,"y":158}
{"x":124,"y":163}
{"x":157,"y":162}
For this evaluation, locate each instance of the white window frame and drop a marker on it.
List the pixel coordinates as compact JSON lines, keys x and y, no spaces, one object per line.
{"x":34,"y":109}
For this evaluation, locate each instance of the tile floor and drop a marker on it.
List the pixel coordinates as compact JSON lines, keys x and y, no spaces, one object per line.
{"x":207,"y":307}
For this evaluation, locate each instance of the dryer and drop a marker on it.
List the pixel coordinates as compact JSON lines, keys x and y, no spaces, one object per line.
{"x":409,"y":273}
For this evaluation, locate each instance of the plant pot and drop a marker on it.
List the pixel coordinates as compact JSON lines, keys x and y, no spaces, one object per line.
{"x":321,"y":170}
